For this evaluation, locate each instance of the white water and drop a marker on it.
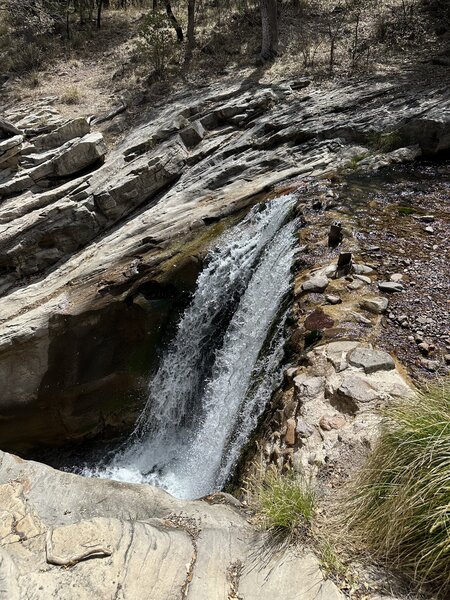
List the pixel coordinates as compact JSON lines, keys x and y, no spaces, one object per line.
{"x":214,"y":379}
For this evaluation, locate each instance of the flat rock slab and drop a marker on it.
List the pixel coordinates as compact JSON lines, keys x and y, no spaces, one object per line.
{"x":390,"y":287}
{"x":371,"y":360}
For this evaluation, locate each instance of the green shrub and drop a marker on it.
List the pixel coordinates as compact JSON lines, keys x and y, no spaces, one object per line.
{"x":385,"y":142}
{"x":284,"y":502}
{"x":156,"y":44}
{"x":400,"y":504}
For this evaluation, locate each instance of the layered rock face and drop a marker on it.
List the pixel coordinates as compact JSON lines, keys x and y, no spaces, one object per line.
{"x":97,"y":245}
{"x":63,"y":536}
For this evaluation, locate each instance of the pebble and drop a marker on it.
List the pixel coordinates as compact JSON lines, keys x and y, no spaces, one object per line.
{"x":429,"y":229}
{"x":396,"y":277}
{"x":424,"y":348}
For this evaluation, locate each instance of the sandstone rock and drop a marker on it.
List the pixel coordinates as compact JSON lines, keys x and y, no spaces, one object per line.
{"x":370,"y":360}
{"x":377,"y":306}
{"x":317,"y":283}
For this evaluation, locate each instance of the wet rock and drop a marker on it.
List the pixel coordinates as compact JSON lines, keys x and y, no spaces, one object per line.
{"x":390,"y":287}
{"x":371,"y":360}
{"x":335,"y":235}
{"x":376,"y":306}
{"x":318,"y":319}
{"x":318,"y":283}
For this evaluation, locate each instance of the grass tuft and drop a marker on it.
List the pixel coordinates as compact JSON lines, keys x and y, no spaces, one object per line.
{"x":283,"y":502}
{"x":71,"y":95}
{"x":399,"y":507}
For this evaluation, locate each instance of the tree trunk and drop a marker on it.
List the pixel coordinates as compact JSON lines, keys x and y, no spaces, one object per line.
{"x":99,"y":13}
{"x":190,"y":31}
{"x":172,"y":17}
{"x":269,"y":26}
{"x":155,"y":5}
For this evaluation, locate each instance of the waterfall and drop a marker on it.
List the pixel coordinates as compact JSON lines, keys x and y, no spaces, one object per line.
{"x":220,"y":369}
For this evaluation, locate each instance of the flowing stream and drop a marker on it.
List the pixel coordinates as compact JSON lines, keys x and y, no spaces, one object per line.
{"x":220,"y":369}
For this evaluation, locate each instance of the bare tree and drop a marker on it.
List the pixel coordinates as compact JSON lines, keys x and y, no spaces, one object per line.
{"x":269,"y":29}
{"x":172,"y":17}
{"x":190,"y":32}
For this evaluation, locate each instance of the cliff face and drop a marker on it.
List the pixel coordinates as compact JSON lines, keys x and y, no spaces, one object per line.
{"x":99,"y":245}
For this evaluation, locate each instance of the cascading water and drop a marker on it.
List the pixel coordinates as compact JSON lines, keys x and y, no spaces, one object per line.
{"x":221,"y":367}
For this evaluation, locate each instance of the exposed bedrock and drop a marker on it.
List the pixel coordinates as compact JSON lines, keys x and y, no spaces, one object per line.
{"x":83,"y":229}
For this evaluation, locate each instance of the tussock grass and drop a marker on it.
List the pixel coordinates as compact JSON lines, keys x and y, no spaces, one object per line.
{"x":71,"y":95}
{"x":399,"y":506}
{"x":283,"y":502}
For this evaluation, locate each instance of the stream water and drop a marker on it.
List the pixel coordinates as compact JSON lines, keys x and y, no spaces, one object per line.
{"x":222,"y":365}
